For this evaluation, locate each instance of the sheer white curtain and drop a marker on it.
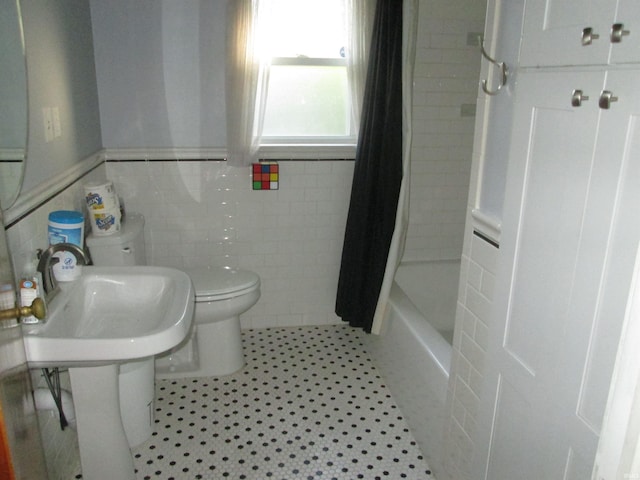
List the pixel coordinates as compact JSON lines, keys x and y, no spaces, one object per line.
{"x":359,"y":17}
{"x":246,"y":82}
{"x":248,"y":71}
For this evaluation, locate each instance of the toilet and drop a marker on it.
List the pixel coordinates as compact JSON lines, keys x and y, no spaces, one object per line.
{"x":214,"y":346}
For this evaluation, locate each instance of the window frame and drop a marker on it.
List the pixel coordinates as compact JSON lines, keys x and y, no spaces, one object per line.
{"x":314,"y":146}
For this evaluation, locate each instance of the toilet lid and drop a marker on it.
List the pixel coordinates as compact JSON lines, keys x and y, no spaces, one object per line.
{"x":218,"y":283}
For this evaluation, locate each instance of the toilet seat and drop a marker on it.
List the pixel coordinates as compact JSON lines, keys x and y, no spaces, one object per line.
{"x":213,"y":284}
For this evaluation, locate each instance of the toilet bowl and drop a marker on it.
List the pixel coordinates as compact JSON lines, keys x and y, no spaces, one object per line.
{"x":215,"y":346}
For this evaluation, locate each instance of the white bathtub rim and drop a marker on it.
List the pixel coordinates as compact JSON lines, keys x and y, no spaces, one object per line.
{"x":429,"y":338}
{"x":432,"y":286}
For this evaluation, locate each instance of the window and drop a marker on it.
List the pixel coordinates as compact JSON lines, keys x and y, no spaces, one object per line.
{"x":308,"y":96}
{"x":295,"y":76}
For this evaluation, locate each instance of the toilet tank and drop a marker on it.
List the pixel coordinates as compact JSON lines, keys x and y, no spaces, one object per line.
{"x":122,"y":248}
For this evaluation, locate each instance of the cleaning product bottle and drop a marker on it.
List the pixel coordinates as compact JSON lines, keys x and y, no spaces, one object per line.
{"x":66,"y":226}
{"x":30,"y":288}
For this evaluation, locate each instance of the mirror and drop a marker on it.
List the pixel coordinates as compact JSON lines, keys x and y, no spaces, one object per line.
{"x":13,"y":102}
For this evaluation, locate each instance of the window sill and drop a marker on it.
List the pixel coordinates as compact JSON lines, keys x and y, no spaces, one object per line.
{"x":307,"y":152}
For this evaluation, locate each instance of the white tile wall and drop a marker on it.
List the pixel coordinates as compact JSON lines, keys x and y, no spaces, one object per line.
{"x":205,"y":213}
{"x":469,"y":347}
{"x":24,"y":237}
{"x":61,"y":446}
{"x":446,"y":77}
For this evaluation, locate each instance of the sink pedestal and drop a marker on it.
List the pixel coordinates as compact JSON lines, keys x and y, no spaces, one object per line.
{"x":104,"y":450}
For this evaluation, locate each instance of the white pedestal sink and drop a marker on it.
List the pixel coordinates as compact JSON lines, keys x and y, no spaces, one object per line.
{"x":108,"y":316}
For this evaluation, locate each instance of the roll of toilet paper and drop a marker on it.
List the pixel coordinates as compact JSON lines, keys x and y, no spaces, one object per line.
{"x":101,"y":196}
{"x":105,"y":222}
{"x":103,"y":206}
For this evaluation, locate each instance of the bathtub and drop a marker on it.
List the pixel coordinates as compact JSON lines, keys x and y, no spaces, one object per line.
{"x":413,"y":352}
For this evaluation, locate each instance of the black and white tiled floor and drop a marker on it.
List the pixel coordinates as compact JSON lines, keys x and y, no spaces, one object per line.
{"x":309,"y":404}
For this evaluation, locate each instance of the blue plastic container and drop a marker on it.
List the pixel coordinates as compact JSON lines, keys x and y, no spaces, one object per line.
{"x":66,"y":226}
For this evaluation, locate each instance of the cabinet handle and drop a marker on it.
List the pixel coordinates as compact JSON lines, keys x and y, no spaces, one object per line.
{"x":577,"y":97}
{"x":617,"y":32}
{"x":588,"y":36}
{"x":606,"y":99}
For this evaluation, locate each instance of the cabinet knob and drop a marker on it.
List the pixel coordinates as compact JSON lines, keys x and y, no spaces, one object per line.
{"x":606,"y":99}
{"x":617,"y":32}
{"x":588,"y":36}
{"x":577,"y":97}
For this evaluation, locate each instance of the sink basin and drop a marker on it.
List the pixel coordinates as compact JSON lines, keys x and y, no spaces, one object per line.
{"x":109,"y":315}
{"x":112,"y":315}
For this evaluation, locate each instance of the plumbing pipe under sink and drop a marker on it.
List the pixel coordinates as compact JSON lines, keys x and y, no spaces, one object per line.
{"x":45,"y":401}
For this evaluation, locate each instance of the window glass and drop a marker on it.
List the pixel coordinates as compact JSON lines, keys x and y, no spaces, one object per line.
{"x":307,"y":101}
{"x":309,"y":28}
{"x":308,"y":97}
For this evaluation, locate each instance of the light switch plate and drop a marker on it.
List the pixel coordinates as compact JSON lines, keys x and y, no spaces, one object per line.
{"x":57,"y":127}
{"x":47,"y":119}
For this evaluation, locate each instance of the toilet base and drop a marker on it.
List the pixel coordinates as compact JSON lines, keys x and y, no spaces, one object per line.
{"x":215,"y":349}
{"x":181,"y":358}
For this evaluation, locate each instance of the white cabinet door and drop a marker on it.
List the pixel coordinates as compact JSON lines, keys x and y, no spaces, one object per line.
{"x":566,"y":257}
{"x":553,"y":32}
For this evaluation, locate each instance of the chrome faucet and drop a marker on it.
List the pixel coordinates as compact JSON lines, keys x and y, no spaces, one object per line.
{"x":47,"y":261}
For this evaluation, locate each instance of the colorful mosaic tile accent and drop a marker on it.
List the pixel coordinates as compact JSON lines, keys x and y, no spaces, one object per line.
{"x":266,"y":176}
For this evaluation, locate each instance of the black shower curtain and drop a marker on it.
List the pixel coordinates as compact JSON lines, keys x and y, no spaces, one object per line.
{"x":377,"y":175}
